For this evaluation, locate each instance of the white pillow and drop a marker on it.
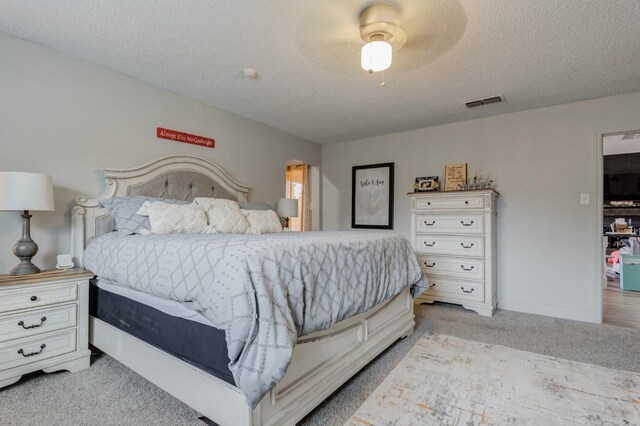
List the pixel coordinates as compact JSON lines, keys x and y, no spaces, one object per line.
{"x":224,"y":216}
{"x":174,"y":218}
{"x":262,"y":221}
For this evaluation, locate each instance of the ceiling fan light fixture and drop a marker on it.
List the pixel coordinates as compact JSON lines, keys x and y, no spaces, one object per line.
{"x":382,"y":34}
{"x":376,"y":56}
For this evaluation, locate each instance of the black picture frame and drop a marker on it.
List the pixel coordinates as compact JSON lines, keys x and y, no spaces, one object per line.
{"x":364,"y":188}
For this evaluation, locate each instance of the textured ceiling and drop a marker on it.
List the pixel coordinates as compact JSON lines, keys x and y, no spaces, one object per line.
{"x":536,"y":53}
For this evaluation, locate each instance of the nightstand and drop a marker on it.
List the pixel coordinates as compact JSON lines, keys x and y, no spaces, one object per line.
{"x":43,"y":323}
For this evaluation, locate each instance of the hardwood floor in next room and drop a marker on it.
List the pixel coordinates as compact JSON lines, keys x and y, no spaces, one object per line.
{"x":621,"y":307}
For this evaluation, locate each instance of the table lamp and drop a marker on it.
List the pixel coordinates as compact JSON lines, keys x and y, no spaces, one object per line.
{"x":287,"y":208}
{"x":25,"y":192}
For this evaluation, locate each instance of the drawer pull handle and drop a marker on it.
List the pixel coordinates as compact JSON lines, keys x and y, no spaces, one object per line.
{"x":429,"y":266}
{"x":428,"y":203}
{"x":432,"y":285}
{"x":429,"y":245}
{"x":430,"y":224}
{"x":466,"y":247}
{"x":466,"y":291}
{"x":42,"y":346}
{"x":466,"y":202}
{"x":466,"y":269}
{"x":466,"y":224}
{"x":27,"y":327}
{"x":33,"y":298}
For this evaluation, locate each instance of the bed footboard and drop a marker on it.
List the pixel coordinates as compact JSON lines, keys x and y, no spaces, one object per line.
{"x":321,"y":363}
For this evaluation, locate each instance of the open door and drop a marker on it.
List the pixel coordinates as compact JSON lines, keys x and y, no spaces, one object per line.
{"x":298,"y":187}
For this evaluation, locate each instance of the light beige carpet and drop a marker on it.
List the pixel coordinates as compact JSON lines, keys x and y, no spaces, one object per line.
{"x":452,"y":381}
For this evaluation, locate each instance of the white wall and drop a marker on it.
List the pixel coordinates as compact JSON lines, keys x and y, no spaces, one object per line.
{"x":71,"y":119}
{"x":541,"y":160}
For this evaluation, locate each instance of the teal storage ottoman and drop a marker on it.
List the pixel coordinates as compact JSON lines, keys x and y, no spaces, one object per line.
{"x":630,"y":272}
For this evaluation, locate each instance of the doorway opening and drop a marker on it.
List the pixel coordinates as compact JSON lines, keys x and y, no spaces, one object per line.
{"x":303,"y":184}
{"x":621,"y":229}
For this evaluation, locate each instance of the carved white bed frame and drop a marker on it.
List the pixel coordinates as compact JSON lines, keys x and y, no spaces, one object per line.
{"x":321,"y":362}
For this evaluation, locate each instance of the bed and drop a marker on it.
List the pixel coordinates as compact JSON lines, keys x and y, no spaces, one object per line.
{"x":137,"y":331}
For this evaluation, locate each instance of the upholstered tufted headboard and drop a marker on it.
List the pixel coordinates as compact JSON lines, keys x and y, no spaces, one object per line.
{"x":181,"y":185}
{"x":177,"y":177}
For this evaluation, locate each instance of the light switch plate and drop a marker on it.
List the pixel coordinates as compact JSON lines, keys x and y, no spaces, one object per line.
{"x":584,"y":198}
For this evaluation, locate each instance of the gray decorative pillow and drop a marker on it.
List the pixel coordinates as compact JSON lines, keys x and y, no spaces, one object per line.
{"x":123,"y":210}
{"x":254,"y":205}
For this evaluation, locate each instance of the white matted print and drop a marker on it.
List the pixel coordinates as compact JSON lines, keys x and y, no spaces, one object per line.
{"x":372,"y":196}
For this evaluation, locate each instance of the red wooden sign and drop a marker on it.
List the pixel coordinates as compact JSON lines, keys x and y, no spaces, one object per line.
{"x":174,"y":135}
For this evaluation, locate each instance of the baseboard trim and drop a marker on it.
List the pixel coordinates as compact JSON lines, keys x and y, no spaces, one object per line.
{"x":546,"y":309}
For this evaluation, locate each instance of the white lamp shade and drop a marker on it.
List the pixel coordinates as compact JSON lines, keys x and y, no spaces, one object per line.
{"x":376,"y":56}
{"x":288,"y":207}
{"x":25,"y":191}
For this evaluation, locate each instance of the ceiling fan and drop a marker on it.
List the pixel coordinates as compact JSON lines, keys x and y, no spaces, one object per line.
{"x":347,"y":36}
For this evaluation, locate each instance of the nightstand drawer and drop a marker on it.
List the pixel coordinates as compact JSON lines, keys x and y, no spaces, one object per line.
{"x":37,"y":348}
{"x":24,"y":324}
{"x":23,"y":297}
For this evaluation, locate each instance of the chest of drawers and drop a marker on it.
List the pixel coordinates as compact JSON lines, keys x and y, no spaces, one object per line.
{"x":454,"y":236}
{"x":43,"y":323}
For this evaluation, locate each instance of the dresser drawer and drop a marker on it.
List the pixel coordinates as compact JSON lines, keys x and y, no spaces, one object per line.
{"x":459,"y":290}
{"x":449,"y":202}
{"x":454,"y":245}
{"x":450,"y":224}
{"x":34,"y":296}
{"x":471,"y":269}
{"x":37,"y":348}
{"x":37,"y":321}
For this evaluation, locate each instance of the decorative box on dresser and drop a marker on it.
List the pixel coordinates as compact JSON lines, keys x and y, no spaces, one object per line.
{"x":454,"y":235}
{"x":43,"y":323}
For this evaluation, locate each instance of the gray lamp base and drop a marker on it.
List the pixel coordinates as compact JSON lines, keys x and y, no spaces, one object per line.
{"x":25,"y":249}
{"x":25,"y":268}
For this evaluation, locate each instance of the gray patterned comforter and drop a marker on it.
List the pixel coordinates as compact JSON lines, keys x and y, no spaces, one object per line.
{"x":263,"y":290}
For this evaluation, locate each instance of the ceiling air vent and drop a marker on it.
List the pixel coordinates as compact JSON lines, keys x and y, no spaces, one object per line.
{"x":485,"y":101}
{"x":474,"y":104}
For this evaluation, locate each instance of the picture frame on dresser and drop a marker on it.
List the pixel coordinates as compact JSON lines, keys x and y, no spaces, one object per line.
{"x":372,"y":196}
{"x":426,"y":184}
{"x":455,"y":175}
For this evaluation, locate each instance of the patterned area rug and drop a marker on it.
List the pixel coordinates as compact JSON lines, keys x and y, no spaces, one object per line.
{"x":445,"y":380}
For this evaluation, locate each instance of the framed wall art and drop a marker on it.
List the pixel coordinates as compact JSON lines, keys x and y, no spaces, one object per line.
{"x":372,"y":196}
{"x":455,"y":175}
